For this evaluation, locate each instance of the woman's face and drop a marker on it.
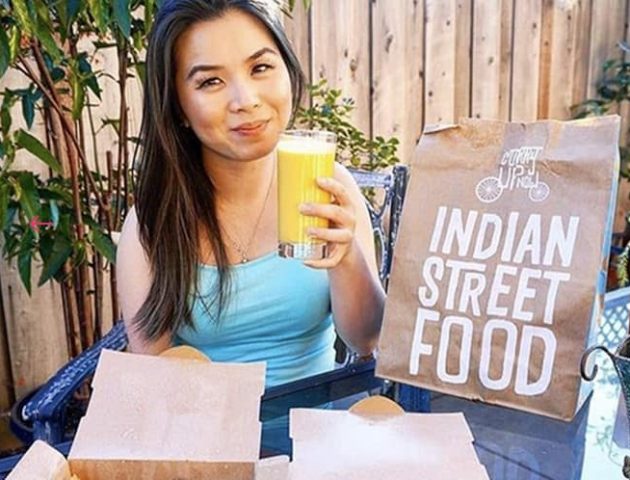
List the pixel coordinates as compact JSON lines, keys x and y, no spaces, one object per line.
{"x":233,"y":86}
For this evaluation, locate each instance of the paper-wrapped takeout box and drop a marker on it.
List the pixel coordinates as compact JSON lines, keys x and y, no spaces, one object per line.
{"x":162,"y":418}
{"x":43,"y":462}
{"x":368,"y":443}
{"x":166,"y":417}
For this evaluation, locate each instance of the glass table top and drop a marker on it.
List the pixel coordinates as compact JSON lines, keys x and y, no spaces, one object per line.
{"x":512,"y":445}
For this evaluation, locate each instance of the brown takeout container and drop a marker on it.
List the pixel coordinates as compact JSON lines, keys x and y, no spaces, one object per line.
{"x":377,"y":440}
{"x":161,"y":418}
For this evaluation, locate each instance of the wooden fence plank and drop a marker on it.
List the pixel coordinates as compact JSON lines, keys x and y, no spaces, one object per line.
{"x":341,"y":30}
{"x":486,"y":59}
{"x":544,"y":76}
{"x":603,"y":40}
{"x":463,"y":61}
{"x":440,"y":58}
{"x":582,"y":49}
{"x":563,"y":46}
{"x":396,"y":85}
{"x":7,"y":395}
{"x":526,"y":61}
{"x":505,"y":59}
{"x":35,"y":325}
{"x":35,"y":329}
{"x":298,"y":31}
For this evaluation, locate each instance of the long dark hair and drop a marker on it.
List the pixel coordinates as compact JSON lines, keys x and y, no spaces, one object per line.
{"x":175,"y":199}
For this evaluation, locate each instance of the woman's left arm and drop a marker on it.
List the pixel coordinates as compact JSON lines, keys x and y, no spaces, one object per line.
{"x":356,"y":293}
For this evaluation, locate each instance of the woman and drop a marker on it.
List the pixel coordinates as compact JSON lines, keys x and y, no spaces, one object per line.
{"x":197,"y":260}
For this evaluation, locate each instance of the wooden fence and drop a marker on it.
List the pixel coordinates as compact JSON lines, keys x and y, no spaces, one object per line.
{"x":406,"y":63}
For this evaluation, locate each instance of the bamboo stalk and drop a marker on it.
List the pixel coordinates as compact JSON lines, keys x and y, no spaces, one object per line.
{"x":95,"y":147}
{"x":74,"y":151}
{"x":75,"y":329}
{"x":98,"y":296}
{"x":66,"y":319}
{"x":56,"y":133}
{"x":112,"y":270}
{"x":122,"y":137}
{"x":51,"y":96}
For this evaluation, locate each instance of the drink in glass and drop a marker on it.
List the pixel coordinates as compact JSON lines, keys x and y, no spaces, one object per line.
{"x":303,"y":156}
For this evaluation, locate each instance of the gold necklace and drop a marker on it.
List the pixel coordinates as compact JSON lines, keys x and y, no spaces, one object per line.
{"x":237,"y":246}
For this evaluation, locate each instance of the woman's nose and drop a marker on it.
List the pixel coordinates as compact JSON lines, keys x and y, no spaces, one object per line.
{"x":244,"y":96}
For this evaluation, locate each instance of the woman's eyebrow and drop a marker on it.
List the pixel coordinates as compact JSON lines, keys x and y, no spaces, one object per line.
{"x":210,"y":68}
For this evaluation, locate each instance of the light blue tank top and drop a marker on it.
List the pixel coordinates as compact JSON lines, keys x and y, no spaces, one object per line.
{"x":278,"y":311}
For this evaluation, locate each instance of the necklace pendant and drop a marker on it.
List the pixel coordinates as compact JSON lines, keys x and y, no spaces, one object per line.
{"x":244,"y":259}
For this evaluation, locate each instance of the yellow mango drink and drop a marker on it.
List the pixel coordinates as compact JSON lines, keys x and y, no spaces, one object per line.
{"x":303,"y":156}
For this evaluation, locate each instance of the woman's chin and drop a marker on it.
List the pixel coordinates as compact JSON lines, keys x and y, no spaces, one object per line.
{"x":255,"y":152}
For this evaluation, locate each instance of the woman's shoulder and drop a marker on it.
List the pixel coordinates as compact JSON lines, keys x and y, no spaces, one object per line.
{"x":129,"y":244}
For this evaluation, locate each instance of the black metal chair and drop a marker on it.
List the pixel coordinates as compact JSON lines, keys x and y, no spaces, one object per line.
{"x":44,"y":412}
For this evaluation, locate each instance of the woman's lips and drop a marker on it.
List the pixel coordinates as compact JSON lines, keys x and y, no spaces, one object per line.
{"x":251,"y":129}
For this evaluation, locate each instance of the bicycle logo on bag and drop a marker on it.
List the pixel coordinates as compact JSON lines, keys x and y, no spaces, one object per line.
{"x":517,"y":169}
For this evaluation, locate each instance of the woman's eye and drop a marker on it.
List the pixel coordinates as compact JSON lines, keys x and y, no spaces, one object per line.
{"x":209,"y":82}
{"x":263,"y":67}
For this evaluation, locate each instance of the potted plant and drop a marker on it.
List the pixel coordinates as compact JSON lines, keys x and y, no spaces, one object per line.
{"x":612,"y":91}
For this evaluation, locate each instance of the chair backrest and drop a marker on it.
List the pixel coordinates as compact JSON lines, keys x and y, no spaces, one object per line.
{"x":389,"y":189}
{"x":615,"y":318}
{"x":385,"y":215}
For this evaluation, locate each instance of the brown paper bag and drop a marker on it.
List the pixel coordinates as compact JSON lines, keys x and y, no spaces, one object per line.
{"x":499,"y":268}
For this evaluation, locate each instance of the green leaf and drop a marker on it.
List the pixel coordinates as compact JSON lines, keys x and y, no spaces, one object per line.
{"x":49,"y":44}
{"x":123,"y":16}
{"x":24,"y":267}
{"x":141,"y":70}
{"x":72,"y":8}
{"x":5,"y":110}
{"x":54,"y":213}
{"x":78,"y":99}
{"x":4,"y":202}
{"x":97,"y":10}
{"x":62,"y":12}
{"x":149,"y":14}
{"x":57,"y":74}
{"x":113,"y":122}
{"x":34,"y":146}
{"x":14,"y":42}
{"x":22,"y":16}
{"x":45,"y":246}
{"x":57,"y":192}
{"x":29,"y":196}
{"x":28,"y":109}
{"x":5,"y":52}
{"x":11,"y":213}
{"x":104,"y":245}
{"x":61,"y":251}
{"x":44,"y":30}
{"x":85,"y":68}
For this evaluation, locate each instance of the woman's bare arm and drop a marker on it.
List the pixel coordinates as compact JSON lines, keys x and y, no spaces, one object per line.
{"x":133,"y":275}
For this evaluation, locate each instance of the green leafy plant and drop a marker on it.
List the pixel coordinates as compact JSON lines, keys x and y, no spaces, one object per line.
{"x":65,"y":219}
{"x":612,"y":91}
{"x":330,"y":111}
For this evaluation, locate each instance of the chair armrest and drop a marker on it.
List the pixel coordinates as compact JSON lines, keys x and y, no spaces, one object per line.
{"x":49,"y":401}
